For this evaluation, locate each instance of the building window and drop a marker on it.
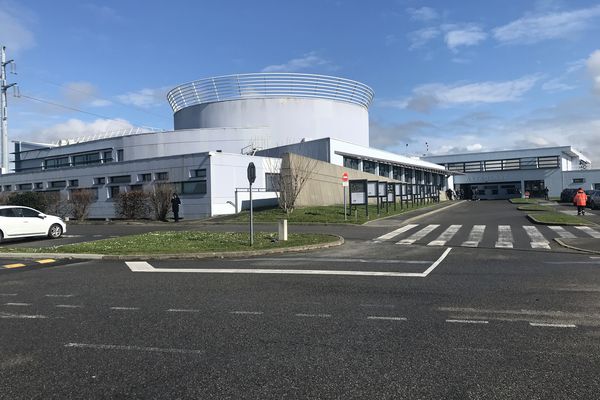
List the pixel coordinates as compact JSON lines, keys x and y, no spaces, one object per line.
{"x":369,"y":166}
{"x":107,"y":156}
{"x":271,"y":182}
{"x":408,"y":174}
{"x":473,"y":166}
{"x":144,"y":177}
{"x":87,"y":158}
{"x":578,"y":180}
{"x":7,"y":188}
{"x":596,"y":186}
{"x":58,"y":184}
{"x":397,"y":173}
{"x":93,"y":191}
{"x":495,"y":165}
{"x":529,"y":163}
{"x":100,"y":180}
{"x":548,"y":162}
{"x":194,"y":187}
{"x":56,"y":163}
{"x":120,"y":179}
{"x":38,"y":185}
{"x":384,"y":170}
{"x":74,"y":182}
{"x":113,"y":192}
{"x":136,"y":188}
{"x":457,"y":167}
{"x":351,"y":163}
{"x":25,"y":186}
{"x":514,"y":163}
{"x":162,"y":176}
{"x":120,"y":156}
{"x":199,"y":173}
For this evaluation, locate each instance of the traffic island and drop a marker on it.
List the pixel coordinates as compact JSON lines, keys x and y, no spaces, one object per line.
{"x":557,"y":218}
{"x":169,"y":245}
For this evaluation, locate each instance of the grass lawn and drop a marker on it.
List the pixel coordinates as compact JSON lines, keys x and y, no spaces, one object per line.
{"x":318,"y":214}
{"x":535,"y":207}
{"x":557,"y":218}
{"x":181,"y":243}
{"x":524,"y":201}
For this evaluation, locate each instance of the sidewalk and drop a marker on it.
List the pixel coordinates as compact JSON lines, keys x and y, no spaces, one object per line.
{"x":410,"y":216}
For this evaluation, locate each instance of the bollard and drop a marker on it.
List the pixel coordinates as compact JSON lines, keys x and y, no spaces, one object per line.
{"x":283,"y":232}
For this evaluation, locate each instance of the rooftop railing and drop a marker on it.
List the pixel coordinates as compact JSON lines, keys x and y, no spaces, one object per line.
{"x":264,"y":85}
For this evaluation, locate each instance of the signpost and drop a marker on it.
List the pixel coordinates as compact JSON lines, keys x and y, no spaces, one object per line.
{"x":345,"y":185}
{"x":251,"y":178}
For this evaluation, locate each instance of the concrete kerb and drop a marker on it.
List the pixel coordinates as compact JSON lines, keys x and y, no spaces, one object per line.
{"x":190,"y":256}
{"x":416,"y":217}
{"x":536,"y":221}
{"x":568,"y":246}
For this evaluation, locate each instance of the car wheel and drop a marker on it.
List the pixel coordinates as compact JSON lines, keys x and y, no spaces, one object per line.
{"x":55,"y":231}
{"x":1,"y":236}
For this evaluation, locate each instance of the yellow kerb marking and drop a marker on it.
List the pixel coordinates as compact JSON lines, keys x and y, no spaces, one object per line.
{"x":45,"y":261}
{"x":13,"y":265}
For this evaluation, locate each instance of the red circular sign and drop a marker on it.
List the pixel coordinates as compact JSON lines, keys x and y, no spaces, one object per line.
{"x":345,"y":177}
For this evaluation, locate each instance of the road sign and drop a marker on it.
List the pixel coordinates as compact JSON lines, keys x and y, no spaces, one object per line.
{"x":251,"y":173}
{"x":345,"y":180}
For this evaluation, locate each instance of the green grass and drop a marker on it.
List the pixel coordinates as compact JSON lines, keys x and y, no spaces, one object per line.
{"x":524,"y":201}
{"x":318,"y":214}
{"x":181,"y":243}
{"x":535,"y":207}
{"x":557,"y":218}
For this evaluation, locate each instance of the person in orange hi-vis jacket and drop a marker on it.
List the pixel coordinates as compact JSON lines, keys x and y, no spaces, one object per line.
{"x":580,"y":200}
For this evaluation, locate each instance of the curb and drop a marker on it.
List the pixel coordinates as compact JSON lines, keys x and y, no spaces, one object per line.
{"x":568,"y":246}
{"x":416,"y":217}
{"x":190,"y":256}
{"x":536,"y":221}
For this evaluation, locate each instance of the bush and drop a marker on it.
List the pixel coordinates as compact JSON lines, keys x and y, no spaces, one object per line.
{"x":80,"y":202}
{"x":132,"y":205}
{"x":160,"y":200}
{"x":57,"y":204}
{"x":37,"y":200}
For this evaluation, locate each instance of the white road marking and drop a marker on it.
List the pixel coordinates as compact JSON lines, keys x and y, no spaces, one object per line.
{"x":8,"y":294}
{"x":125,"y":308}
{"x":562,"y":232}
{"x":59,"y":295}
{"x":589,"y":231}
{"x":538,"y":241}
{"x":132,"y":348}
{"x":247,"y":312}
{"x":71,"y":236}
{"x":552,"y":325}
{"x":188,"y":310}
{"x":505,"y":238}
{"x":377,"y":305}
{"x":388,"y":318}
{"x":466,"y":321}
{"x":327,"y":259}
{"x":419,"y":234}
{"x":475,"y":236}
{"x":395,"y":233}
{"x":17,"y":304}
{"x":445,"y":236}
{"x":314,"y":315}
{"x":67,"y":306}
{"x":21,"y":316}
{"x":143,"y":266}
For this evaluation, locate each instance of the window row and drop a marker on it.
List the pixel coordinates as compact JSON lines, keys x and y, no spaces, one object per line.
{"x":90,"y":158}
{"x":393,"y":171}
{"x":505,"y":165}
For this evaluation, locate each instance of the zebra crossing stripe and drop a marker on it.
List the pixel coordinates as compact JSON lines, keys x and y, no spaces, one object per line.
{"x":395,"y":233}
{"x":562,"y":232}
{"x":445,"y":236}
{"x":419,"y":234}
{"x":538,"y":241}
{"x":589,"y":231}
{"x":505,"y":238}
{"x":475,"y":236}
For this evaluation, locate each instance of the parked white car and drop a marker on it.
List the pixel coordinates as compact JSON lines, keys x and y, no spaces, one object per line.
{"x":19,"y":222}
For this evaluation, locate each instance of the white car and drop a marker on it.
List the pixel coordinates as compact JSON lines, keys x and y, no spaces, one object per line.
{"x":19,"y":222}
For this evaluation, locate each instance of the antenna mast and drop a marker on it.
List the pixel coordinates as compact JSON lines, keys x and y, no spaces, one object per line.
{"x":3,"y":112}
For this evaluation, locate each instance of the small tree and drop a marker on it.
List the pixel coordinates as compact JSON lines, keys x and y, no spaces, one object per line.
{"x":57,"y":204}
{"x":132,"y":205}
{"x":80,"y":202}
{"x":35,"y":200}
{"x":294,"y":173}
{"x":160,"y":200}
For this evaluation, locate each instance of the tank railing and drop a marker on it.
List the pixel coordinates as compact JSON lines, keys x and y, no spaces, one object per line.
{"x":106,"y":135}
{"x":261,"y":85}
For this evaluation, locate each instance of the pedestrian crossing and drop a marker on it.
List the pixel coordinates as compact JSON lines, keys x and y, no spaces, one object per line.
{"x":501,"y":236}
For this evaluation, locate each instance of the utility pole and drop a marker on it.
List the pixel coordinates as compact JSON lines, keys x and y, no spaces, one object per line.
{"x":4,"y":112}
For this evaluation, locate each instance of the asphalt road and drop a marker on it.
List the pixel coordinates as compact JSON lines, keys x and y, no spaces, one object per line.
{"x":483,"y":323}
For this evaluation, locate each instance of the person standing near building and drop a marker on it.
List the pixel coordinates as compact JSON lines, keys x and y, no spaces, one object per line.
{"x":546,"y":190}
{"x":175,"y":202}
{"x":580,"y":201}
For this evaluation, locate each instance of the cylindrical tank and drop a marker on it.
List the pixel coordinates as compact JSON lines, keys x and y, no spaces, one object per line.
{"x":292,"y":106}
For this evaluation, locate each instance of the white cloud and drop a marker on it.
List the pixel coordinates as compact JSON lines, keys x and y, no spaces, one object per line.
{"x":104,"y":12}
{"x":557,"y":85}
{"x":14,"y":33}
{"x":429,"y":96}
{"x":74,"y":128}
{"x":468,"y":36}
{"x":535,"y":28}
{"x":474,"y":147}
{"x":593,"y":67}
{"x":145,"y":98}
{"x":307,"y":61}
{"x":421,"y":37}
{"x":422,"y":14}
{"x":84,"y":94}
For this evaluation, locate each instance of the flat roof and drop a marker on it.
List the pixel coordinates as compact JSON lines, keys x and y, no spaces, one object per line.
{"x":563,"y":149}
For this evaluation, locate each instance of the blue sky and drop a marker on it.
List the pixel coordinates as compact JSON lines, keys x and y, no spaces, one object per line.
{"x":459,"y":76}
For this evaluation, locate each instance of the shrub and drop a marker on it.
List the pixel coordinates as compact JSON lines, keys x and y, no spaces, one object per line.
{"x":80,"y":202}
{"x":160,"y":200}
{"x":57,"y":204}
{"x":37,"y":200}
{"x":132,"y":205}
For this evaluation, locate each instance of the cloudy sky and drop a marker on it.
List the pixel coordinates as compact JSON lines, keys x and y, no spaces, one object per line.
{"x":448,"y":76}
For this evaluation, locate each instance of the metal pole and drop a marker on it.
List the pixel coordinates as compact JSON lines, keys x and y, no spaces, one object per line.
{"x":345,"y":207}
{"x":251,"y":219}
{"x":3,"y":116}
